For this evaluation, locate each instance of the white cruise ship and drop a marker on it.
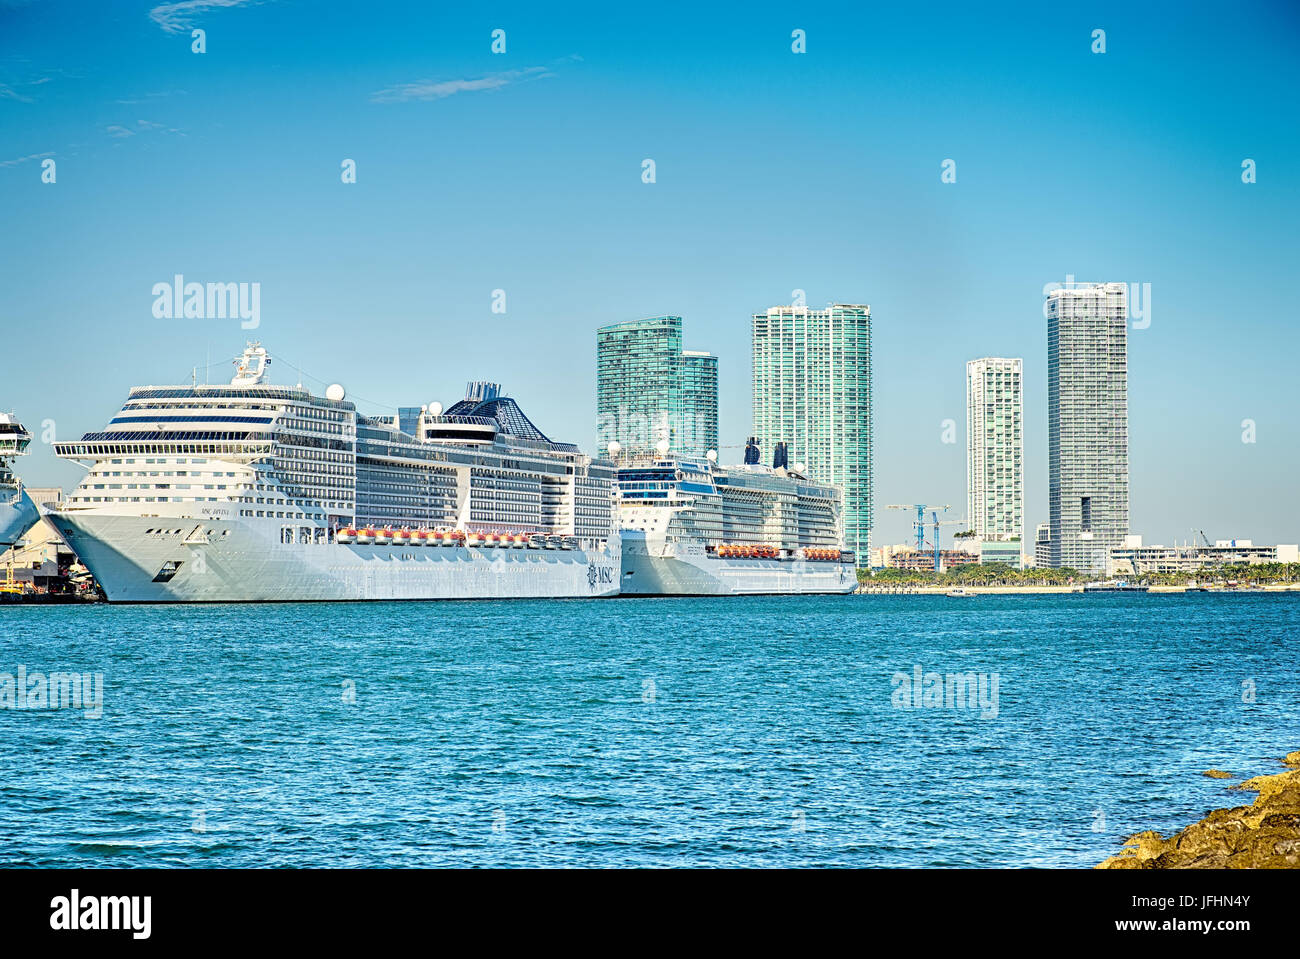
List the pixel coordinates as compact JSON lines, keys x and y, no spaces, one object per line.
{"x":694,"y":528}
{"x":252,"y":492}
{"x":18,"y":513}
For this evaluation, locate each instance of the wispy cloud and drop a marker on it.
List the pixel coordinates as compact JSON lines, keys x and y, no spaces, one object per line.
{"x":150,"y":96}
{"x":31,"y":156}
{"x":119,"y":132}
{"x":179,"y":17}
{"x":9,"y":93}
{"x":441,"y":89}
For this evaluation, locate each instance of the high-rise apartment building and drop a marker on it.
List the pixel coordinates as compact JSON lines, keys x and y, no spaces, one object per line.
{"x":1087,"y":422}
{"x":1043,"y":545}
{"x":648,"y":390}
{"x":812,"y":391}
{"x":995,"y":476}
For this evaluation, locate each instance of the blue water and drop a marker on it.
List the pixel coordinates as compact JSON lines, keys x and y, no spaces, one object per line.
{"x":670,"y":732}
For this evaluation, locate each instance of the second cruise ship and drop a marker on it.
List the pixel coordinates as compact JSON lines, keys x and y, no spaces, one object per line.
{"x":18,"y":513}
{"x":694,"y":528}
{"x":256,"y":492}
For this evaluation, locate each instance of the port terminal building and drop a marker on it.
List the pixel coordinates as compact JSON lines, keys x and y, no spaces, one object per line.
{"x":1133,"y":558}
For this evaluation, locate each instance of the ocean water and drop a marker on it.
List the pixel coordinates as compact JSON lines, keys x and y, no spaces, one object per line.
{"x":664,"y":732}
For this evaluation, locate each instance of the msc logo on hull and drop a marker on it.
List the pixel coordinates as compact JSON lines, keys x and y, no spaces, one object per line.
{"x":599,"y":575}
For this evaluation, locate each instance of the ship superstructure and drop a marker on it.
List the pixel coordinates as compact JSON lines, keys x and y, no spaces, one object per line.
{"x":18,"y":513}
{"x":256,"y":492}
{"x":693,"y":527}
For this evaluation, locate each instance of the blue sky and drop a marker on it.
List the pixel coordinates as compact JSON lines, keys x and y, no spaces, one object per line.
{"x":775,"y":171}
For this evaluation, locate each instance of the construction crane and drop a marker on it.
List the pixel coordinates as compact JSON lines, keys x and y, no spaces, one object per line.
{"x":918,"y":525}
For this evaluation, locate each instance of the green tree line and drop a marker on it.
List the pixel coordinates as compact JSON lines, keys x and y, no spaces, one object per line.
{"x":1000,"y":574}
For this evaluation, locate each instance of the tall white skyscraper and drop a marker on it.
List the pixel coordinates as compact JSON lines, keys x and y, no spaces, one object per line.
{"x":995,"y":449}
{"x":1087,"y":422}
{"x":812,"y":391}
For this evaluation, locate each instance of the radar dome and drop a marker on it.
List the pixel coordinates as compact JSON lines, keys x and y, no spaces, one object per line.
{"x":614,"y":447}
{"x":662,"y":447}
{"x":799,"y":467}
{"x":435,"y":408}
{"x":334,"y":392}
{"x":712,"y":456}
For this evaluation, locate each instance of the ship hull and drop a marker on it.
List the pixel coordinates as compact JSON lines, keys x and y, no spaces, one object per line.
{"x":234,"y":560}
{"x":18,"y":514}
{"x":687,"y":570}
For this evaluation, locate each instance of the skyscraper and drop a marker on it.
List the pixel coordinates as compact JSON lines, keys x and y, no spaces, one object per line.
{"x":1087,"y":422}
{"x":648,"y":389}
{"x":812,"y":391}
{"x":995,"y":478}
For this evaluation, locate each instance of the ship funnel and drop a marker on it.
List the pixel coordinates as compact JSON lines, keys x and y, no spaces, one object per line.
{"x":780,"y":457}
{"x":751,"y":452}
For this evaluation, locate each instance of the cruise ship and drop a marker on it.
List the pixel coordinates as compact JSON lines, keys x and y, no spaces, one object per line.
{"x":18,"y":513}
{"x":251,"y":492}
{"x":691,"y":527}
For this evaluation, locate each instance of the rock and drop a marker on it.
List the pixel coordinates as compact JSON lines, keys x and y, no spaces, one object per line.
{"x":1263,"y":835}
{"x":1292,"y":759}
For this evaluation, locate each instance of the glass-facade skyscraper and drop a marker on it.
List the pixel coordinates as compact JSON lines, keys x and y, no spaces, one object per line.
{"x":649,"y":389}
{"x":812,"y":391}
{"x":1087,"y":423}
{"x":995,"y":449}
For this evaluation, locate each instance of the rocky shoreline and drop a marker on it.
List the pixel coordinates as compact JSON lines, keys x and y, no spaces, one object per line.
{"x":1263,"y":835}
